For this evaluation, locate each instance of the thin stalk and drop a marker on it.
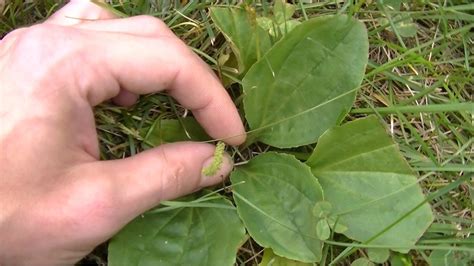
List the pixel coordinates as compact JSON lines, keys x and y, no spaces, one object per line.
{"x":433,"y":108}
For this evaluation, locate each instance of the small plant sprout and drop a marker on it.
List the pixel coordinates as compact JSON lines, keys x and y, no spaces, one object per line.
{"x":217,"y":161}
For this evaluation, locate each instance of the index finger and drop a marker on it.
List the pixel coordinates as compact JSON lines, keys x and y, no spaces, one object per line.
{"x":145,"y":65}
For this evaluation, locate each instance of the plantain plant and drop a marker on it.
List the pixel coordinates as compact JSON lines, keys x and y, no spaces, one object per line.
{"x":297,"y":87}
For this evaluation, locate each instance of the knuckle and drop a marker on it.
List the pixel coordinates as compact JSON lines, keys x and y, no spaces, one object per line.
{"x":37,"y":33}
{"x":153,"y":25}
{"x":49,"y":37}
{"x":44,"y":49}
{"x":180,"y":51}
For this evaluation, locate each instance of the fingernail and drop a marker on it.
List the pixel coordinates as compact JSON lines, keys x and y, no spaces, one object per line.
{"x":212,"y":169}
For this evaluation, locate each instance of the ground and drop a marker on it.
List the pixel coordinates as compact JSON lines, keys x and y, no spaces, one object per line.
{"x":419,"y":80}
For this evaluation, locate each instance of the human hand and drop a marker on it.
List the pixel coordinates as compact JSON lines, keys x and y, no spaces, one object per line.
{"x":57,"y":200}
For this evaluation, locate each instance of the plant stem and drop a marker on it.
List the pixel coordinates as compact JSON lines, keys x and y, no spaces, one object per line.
{"x":434,"y":108}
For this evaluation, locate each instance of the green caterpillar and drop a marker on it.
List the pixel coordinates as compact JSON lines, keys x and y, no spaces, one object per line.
{"x":217,"y":160}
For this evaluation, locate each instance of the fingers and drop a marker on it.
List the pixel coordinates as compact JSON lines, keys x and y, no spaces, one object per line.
{"x":151,"y":60}
{"x":144,"y":65}
{"x":77,"y":11}
{"x":140,"y":182}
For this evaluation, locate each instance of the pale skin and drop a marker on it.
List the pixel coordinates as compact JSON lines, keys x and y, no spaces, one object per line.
{"x":57,"y":200}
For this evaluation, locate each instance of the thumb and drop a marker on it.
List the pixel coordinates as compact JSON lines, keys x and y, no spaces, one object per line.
{"x":167,"y":172}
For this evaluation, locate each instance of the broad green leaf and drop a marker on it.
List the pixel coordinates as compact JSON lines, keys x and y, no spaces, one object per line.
{"x":450,"y":258}
{"x":362,"y":262}
{"x":184,"y":236}
{"x":173,"y":130}
{"x":275,"y":194}
{"x":248,"y":41}
{"x":369,"y":184}
{"x":306,"y":82}
{"x":270,"y":259}
{"x":378,"y":255}
{"x":283,"y":11}
{"x":322,"y":229}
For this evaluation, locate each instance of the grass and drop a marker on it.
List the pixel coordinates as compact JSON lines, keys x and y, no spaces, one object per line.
{"x":422,"y":86}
